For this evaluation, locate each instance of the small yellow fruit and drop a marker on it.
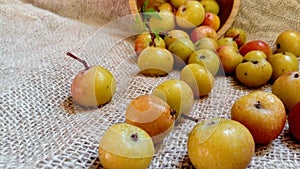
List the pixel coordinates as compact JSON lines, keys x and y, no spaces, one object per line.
{"x":288,"y":41}
{"x":124,"y":146}
{"x":155,"y":61}
{"x":220,"y":143}
{"x":93,"y":86}
{"x":177,"y":94}
{"x":164,"y":23}
{"x":152,"y":114}
{"x":199,"y":78}
{"x":174,"y":35}
{"x":190,"y":15}
{"x":262,"y":113}
{"x":287,"y":88}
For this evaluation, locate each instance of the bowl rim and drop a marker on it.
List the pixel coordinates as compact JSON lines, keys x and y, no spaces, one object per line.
{"x":230,"y":19}
{"x":228,"y":23}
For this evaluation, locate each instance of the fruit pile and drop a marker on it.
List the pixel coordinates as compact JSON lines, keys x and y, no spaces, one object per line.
{"x":188,"y":43}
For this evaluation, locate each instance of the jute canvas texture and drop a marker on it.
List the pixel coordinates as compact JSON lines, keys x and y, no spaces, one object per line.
{"x":40,"y":127}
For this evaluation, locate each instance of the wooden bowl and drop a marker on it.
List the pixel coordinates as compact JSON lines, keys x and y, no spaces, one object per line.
{"x":228,"y":11}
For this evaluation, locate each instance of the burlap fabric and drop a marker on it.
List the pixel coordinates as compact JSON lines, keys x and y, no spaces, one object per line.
{"x":42,"y":128}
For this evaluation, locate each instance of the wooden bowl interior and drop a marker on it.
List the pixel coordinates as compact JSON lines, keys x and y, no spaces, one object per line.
{"x":228,"y":12}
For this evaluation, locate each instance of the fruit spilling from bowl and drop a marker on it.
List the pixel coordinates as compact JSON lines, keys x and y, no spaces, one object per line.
{"x":173,"y":39}
{"x":256,"y":118}
{"x":225,"y":10}
{"x":252,"y":62}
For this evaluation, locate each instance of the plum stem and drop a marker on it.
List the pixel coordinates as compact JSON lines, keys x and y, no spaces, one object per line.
{"x":152,"y":38}
{"x":235,"y":37}
{"x":86,"y":66}
{"x":151,"y":33}
{"x":189,"y":118}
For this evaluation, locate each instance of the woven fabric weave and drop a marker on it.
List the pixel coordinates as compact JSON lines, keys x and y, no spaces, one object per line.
{"x":42,"y":128}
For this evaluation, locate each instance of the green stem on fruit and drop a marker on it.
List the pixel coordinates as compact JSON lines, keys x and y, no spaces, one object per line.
{"x":147,"y":13}
{"x":86,"y":66}
{"x":153,"y":36}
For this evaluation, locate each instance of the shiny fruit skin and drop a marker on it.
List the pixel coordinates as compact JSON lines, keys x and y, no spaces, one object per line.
{"x":177,"y":3}
{"x":256,"y":45}
{"x":207,"y":58}
{"x":124,"y":146}
{"x":177,"y":94}
{"x":154,"y":61}
{"x":93,"y":87}
{"x":287,"y":88}
{"x":255,"y":55}
{"x":152,"y":114}
{"x":144,"y":40}
{"x":283,"y":63}
{"x":254,"y":73}
{"x":230,"y":57}
{"x":182,"y":48}
{"x":174,"y":35}
{"x":288,"y":41}
{"x":220,"y":143}
{"x":238,"y":34}
{"x":293,"y":121}
{"x":206,"y":43}
{"x":166,"y":6}
{"x":211,"y":6}
{"x":199,"y":78}
{"x":212,"y":20}
{"x":262,"y":113}
{"x":190,"y":15}
{"x":164,"y":23}
{"x":227,"y":41}
{"x":203,"y":31}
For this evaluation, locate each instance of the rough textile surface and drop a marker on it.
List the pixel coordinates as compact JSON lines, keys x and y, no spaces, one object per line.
{"x":42,"y":128}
